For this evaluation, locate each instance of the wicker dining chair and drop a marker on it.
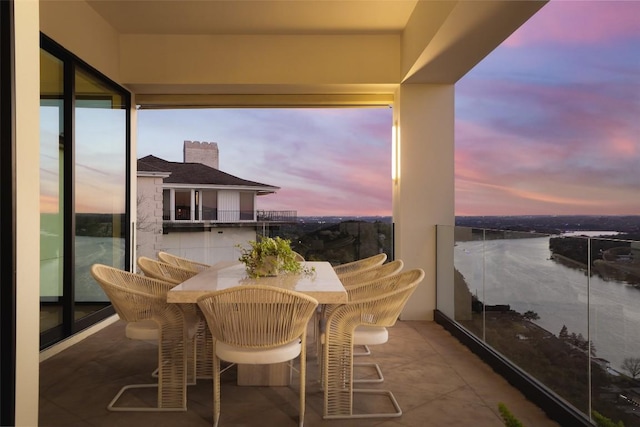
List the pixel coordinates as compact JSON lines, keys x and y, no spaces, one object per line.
{"x":365,"y":335}
{"x":160,"y":270}
{"x":182,"y":262}
{"x":383,"y":270}
{"x":257,"y":324}
{"x":138,"y":298}
{"x":360,"y":265}
{"x":350,"y":280}
{"x":381,"y":310}
{"x":356,"y":278}
{"x":203,"y":343}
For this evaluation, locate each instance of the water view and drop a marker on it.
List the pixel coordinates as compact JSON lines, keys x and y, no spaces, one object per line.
{"x":520,"y":273}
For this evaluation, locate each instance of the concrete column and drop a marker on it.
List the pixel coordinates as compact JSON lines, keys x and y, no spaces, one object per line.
{"x":423,"y":193}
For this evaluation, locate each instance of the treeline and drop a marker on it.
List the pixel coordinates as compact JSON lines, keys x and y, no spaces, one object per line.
{"x":577,"y":248}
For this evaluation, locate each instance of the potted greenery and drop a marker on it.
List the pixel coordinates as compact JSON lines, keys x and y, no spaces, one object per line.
{"x":270,"y":257}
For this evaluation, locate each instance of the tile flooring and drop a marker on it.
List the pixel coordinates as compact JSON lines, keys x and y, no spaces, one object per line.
{"x":436,"y":380}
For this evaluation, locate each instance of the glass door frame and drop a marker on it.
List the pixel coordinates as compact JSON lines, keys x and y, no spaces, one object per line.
{"x":8,"y":215}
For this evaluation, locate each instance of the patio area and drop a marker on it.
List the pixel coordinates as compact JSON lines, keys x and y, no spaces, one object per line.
{"x":436,"y":380}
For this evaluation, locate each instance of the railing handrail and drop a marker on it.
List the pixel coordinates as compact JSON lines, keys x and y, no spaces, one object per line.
{"x":212,"y":215}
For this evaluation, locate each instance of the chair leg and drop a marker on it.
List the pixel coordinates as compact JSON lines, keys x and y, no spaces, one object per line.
{"x":204,"y":352}
{"x":216,"y":390}
{"x":378,"y":379}
{"x":172,"y":376}
{"x":396,"y":413}
{"x":365,"y":352}
{"x":303,"y":370}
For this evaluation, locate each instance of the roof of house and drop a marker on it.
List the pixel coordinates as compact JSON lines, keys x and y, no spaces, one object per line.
{"x":198,"y":174}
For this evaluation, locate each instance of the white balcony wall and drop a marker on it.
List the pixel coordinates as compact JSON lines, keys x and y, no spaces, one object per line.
{"x":218,"y":244}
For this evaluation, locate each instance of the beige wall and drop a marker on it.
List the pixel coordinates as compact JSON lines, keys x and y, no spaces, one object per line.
{"x":77,"y":27}
{"x":423,"y":195}
{"x":263,"y":60}
{"x":27,"y":113}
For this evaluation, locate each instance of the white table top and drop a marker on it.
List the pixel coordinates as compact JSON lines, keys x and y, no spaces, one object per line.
{"x":324,"y":285}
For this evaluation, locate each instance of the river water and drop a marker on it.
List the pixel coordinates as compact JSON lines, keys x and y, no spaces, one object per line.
{"x":519,"y":272}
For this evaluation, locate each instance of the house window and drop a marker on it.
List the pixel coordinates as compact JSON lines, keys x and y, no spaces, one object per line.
{"x":84,"y":190}
{"x":209,"y":205}
{"x":246,"y":206}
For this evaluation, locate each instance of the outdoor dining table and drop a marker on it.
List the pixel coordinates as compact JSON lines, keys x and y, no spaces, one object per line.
{"x":322,"y":284}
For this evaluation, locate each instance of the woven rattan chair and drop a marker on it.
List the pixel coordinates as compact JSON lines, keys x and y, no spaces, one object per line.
{"x":366,"y":336}
{"x":139,"y":298}
{"x":360,"y":265}
{"x":350,"y":280}
{"x":175,"y":274}
{"x":353,"y":279}
{"x":378,"y":311}
{"x":356,"y":278}
{"x":257,"y":324}
{"x":164,"y":271}
{"x":182,"y":262}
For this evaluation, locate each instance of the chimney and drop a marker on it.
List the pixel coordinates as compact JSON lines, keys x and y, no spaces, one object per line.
{"x":201,"y":152}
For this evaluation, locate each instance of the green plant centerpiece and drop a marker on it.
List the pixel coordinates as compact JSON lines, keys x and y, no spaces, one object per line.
{"x":269,"y":256}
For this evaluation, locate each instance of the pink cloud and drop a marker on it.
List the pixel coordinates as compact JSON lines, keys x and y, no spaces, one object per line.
{"x":583,"y":22}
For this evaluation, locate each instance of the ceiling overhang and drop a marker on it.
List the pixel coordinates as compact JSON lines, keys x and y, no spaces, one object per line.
{"x":303,"y":53}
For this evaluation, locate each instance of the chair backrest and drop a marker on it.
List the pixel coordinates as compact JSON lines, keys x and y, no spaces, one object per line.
{"x":164,"y":271}
{"x":384,"y":285}
{"x":361,"y":264}
{"x":182,"y":262}
{"x":384,"y":270}
{"x":257,"y":316}
{"x":134,"y":297}
{"x":380,"y":309}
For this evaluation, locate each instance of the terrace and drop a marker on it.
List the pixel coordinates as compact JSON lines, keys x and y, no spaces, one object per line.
{"x":455,"y":386}
{"x":96,"y":62}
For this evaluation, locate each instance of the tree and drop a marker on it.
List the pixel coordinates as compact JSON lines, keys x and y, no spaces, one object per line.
{"x":564,"y":333}
{"x":632,"y":366}
{"x":530,"y":315}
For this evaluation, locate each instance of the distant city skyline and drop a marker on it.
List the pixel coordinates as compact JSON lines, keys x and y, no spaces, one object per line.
{"x":547,"y":124}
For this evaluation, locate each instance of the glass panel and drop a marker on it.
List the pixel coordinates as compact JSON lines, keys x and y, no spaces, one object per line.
{"x":614,"y":301}
{"x":246,"y":206}
{"x":100,"y":187}
{"x":51,"y":191}
{"x":209,"y":205}
{"x":183,"y":205}
{"x":530,"y":302}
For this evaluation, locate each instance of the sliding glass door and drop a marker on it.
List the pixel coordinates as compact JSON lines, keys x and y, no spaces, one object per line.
{"x":84,"y":181}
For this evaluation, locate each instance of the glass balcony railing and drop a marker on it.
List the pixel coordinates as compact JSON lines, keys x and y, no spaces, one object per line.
{"x":565,"y":309}
{"x":320,"y":240}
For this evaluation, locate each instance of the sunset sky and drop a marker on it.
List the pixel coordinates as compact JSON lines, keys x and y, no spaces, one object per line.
{"x":548,"y":123}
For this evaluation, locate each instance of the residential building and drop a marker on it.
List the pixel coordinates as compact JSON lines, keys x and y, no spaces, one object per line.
{"x":194,"y":210}
{"x":75,"y":73}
